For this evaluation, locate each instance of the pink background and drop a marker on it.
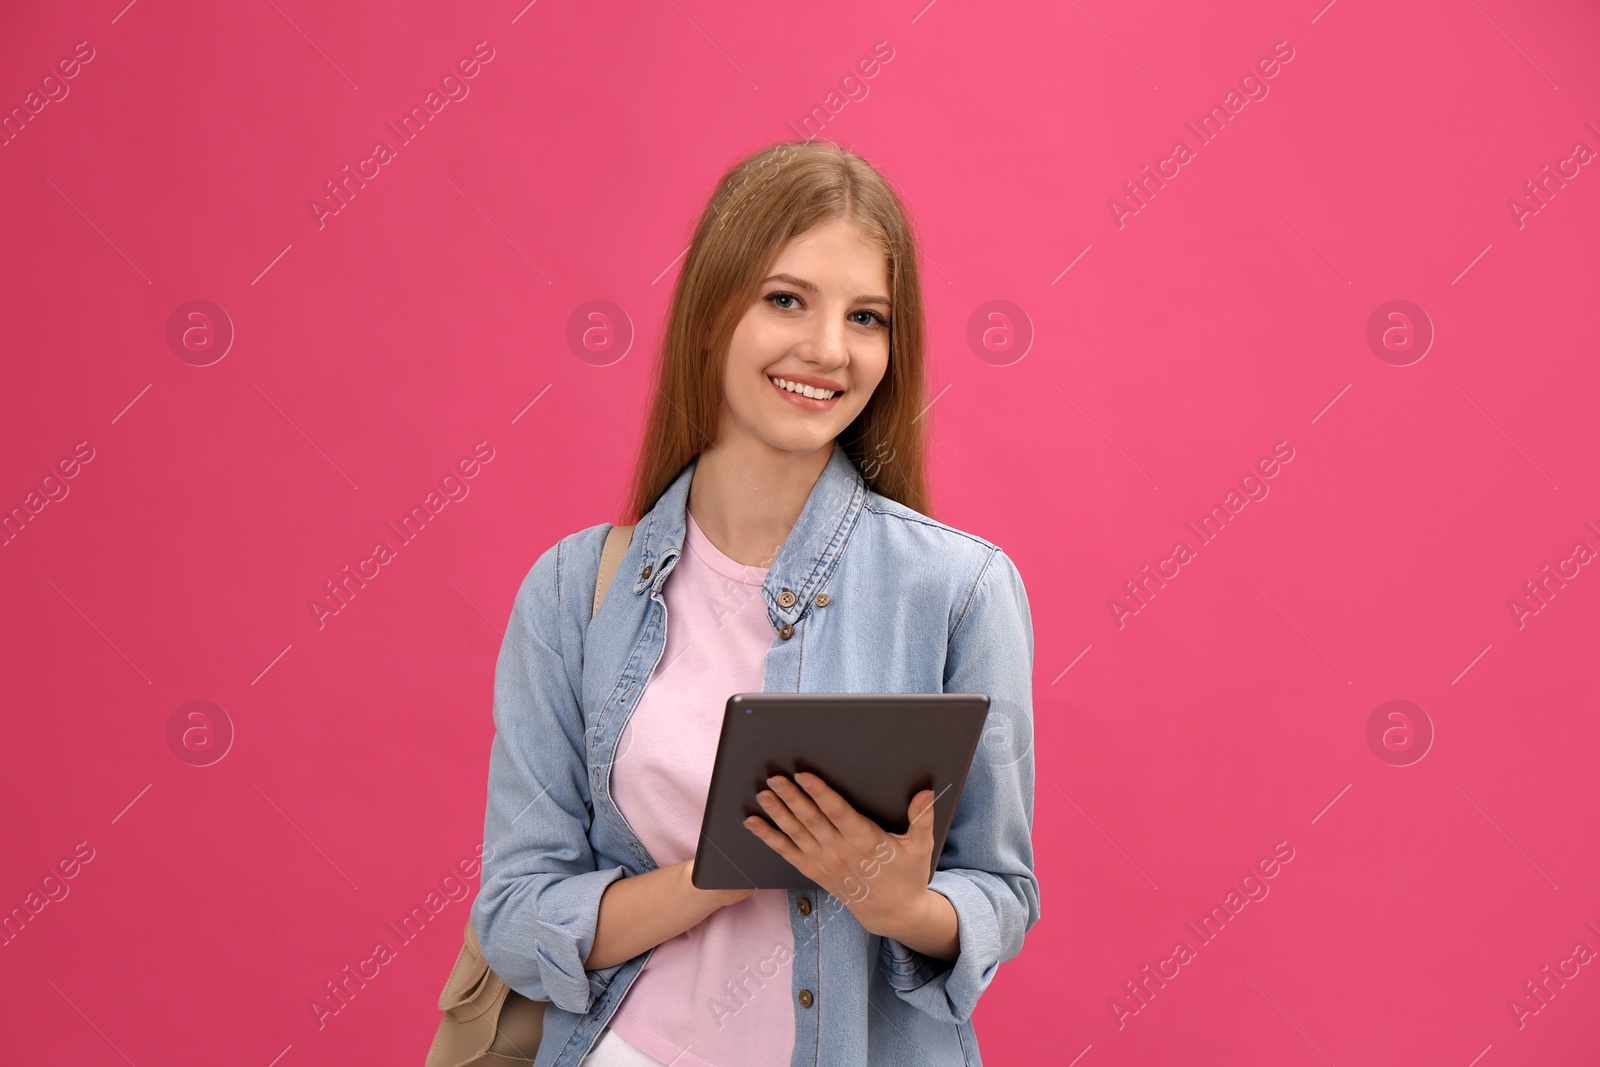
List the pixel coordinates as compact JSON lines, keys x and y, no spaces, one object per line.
{"x":1167,"y":356}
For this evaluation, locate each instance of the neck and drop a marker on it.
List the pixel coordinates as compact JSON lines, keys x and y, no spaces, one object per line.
{"x":746,"y":500}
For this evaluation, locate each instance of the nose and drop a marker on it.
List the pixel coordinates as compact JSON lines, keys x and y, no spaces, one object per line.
{"x":828,"y":344}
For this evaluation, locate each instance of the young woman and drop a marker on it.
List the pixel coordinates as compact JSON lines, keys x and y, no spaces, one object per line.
{"x":783,"y":528}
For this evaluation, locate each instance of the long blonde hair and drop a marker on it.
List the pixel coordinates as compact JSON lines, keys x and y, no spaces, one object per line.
{"x":776,"y":194}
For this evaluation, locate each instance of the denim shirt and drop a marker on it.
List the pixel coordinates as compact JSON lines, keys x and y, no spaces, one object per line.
{"x":911,"y":606}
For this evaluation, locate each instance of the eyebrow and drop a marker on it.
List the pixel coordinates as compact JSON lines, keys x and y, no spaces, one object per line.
{"x":801,"y":283}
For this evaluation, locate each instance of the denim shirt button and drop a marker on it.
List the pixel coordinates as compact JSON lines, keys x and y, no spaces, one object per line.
{"x":786,"y":599}
{"x":822,"y":600}
{"x":645,"y":574}
{"x":786,"y":631}
{"x":805,"y":998}
{"x":803,"y":906}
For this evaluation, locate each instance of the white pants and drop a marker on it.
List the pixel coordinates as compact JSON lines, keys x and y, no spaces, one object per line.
{"x":612,"y":1051}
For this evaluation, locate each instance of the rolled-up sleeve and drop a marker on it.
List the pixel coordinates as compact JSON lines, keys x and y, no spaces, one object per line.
{"x":986,"y":869}
{"x":536,"y":910}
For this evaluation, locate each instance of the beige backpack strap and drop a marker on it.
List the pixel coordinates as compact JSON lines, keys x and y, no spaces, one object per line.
{"x":617,"y":540}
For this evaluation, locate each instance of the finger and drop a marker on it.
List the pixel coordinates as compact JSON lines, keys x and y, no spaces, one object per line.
{"x":855,"y":830}
{"x":840,"y":812}
{"x":921,"y":813}
{"x":805,"y":809}
{"x":781,"y":814}
{"x":775,"y":840}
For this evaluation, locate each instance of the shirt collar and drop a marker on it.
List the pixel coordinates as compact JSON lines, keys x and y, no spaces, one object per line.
{"x":808,"y":553}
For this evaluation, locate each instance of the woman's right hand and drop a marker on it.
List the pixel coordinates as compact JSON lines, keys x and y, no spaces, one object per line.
{"x":641,"y":911}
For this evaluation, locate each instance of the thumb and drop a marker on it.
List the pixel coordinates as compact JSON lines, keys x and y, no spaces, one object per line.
{"x":921,"y":813}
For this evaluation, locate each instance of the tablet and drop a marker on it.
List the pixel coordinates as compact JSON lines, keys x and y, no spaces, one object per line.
{"x":877,"y":750}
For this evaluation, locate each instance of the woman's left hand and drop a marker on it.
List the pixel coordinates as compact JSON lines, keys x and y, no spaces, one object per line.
{"x":881,"y":877}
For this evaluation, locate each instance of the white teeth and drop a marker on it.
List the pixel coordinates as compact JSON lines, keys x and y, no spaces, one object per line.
{"x":803,"y":390}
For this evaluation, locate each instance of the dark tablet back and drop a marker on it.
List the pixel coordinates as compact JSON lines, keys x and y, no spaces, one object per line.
{"x":877,"y":750}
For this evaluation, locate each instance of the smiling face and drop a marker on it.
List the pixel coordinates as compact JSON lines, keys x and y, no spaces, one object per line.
{"x":819,"y":320}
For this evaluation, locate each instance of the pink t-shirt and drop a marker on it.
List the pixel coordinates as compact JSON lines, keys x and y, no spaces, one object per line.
{"x":717,"y":995}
